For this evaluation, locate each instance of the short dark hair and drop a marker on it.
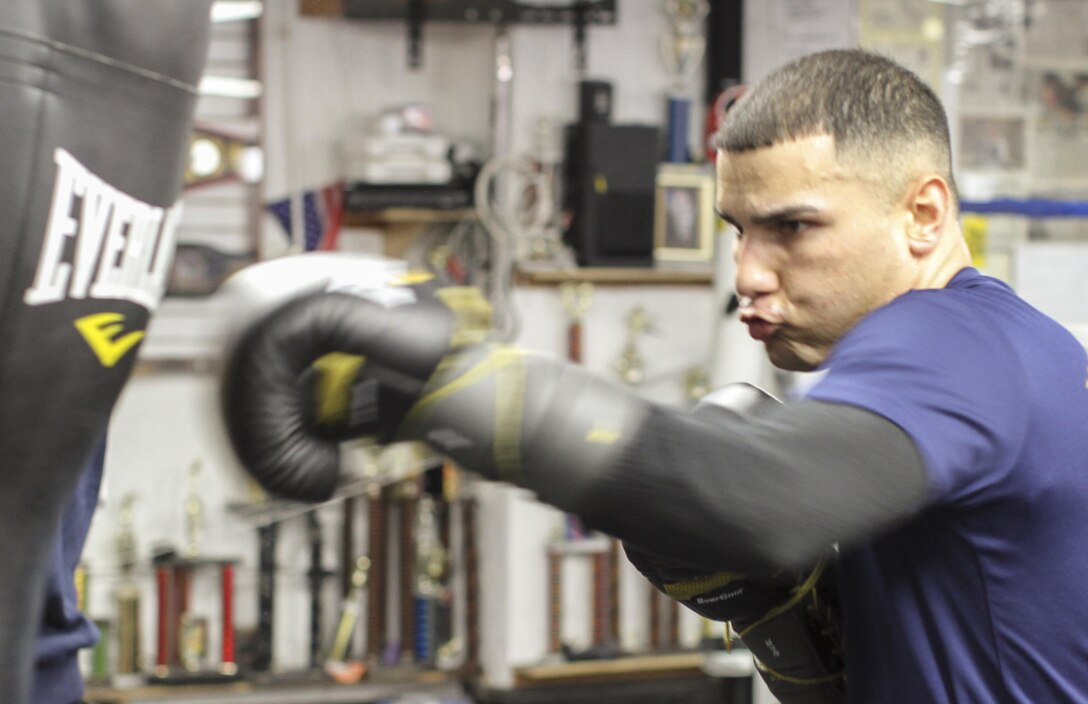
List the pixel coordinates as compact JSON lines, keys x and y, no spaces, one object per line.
{"x":873,"y":108}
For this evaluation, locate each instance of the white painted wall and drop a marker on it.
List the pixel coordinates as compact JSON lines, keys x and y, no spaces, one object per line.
{"x":325,"y":76}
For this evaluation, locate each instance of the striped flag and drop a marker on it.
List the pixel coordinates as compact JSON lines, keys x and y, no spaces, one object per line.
{"x":281,"y":210}
{"x":322,"y":215}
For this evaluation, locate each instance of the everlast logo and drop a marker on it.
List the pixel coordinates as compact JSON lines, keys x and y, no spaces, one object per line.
{"x":101,"y":243}
{"x":105,"y":333}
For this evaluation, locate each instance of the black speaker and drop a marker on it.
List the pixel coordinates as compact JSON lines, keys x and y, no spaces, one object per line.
{"x":594,"y":101}
{"x":609,"y":192}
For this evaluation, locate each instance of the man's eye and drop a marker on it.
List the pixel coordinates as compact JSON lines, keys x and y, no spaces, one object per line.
{"x":792,"y":227}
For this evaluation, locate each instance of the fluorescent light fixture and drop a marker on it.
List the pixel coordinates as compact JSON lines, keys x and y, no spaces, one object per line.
{"x":250,"y":164}
{"x":224,"y":87}
{"x":235,"y":10}
{"x":206,"y":157}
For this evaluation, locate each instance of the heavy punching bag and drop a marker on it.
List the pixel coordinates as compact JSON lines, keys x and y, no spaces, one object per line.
{"x":96,"y":105}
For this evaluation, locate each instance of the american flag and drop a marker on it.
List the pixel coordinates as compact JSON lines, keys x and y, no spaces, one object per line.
{"x":322,"y":214}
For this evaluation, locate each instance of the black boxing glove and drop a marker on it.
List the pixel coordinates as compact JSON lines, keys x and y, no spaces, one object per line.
{"x":718,"y":595}
{"x":494,"y":409}
{"x":790,"y":621}
{"x":713,"y":592}
{"x":798,"y":644}
{"x":342,"y":355}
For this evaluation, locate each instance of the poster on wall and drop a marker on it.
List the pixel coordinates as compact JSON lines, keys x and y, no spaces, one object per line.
{"x":907,"y":31}
{"x":778,"y":31}
{"x":991,"y":143}
{"x":895,"y":17}
{"x":1055,"y":30}
{"x":1057,"y":100}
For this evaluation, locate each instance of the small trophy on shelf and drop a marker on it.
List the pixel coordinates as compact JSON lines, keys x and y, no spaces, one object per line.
{"x":128,"y":666}
{"x":682,"y":51}
{"x":182,"y":651}
{"x":194,"y":513}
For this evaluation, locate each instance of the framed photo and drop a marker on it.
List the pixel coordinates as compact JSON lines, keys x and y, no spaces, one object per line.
{"x":992,"y":143}
{"x":684,"y":214}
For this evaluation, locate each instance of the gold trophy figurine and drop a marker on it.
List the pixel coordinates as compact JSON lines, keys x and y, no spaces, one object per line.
{"x":339,"y":665}
{"x":682,"y":49}
{"x":630,"y":365}
{"x":194,"y":513}
{"x":126,"y":535}
{"x":128,"y":664}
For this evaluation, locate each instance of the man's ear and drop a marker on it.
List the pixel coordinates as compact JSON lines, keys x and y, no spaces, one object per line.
{"x":929,"y":205}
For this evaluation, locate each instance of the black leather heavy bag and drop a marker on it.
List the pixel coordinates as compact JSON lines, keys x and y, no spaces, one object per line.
{"x":96,"y":105}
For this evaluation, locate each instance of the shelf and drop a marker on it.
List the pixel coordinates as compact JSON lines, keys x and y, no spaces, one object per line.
{"x":618,"y":276}
{"x":492,"y":11}
{"x":402,"y":216}
{"x":642,"y":667}
{"x":425,"y":684}
{"x":321,"y":8}
{"x":402,"y":224}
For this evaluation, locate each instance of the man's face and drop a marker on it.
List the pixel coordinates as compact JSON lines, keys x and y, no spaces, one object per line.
{"x":817,"y":248}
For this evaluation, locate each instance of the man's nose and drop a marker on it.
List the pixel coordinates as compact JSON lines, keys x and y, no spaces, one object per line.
{"x":757,"y":272}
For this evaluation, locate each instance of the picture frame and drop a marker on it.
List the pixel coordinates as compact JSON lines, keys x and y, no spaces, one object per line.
{"x":992,"y":143}
{"x":684,"y":214}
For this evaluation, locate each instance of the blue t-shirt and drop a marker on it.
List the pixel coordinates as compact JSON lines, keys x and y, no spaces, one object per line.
{"x":64,"y":630}
{"x":983,"y":596}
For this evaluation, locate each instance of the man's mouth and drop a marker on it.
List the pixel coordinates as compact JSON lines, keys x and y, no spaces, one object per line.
{"x":760,"y":329}
{"x":762,"y":321}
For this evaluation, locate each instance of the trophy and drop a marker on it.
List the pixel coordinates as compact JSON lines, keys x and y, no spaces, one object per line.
{"x":431,"y":591}
{"x":576,"y":298}
{"x":339,"y":665}
{"x":408,"y":497}
{"x":377,"y":551}
{"x":682,"y":51}
{"x":194,"y":513}
{"x":128,"y":596}
{"x":630,"y":365}
{"x":316,"y":576}
{"x":182,"y":634}
{"x":267,"y":540}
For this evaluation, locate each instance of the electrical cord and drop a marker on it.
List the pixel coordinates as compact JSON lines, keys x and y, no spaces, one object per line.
{"x":500,"y":197}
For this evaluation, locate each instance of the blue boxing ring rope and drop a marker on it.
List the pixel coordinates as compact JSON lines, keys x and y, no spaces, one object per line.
{"x":1027,"y":207}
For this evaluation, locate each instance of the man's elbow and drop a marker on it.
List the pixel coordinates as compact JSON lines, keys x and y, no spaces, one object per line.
{"x":788,"y":549}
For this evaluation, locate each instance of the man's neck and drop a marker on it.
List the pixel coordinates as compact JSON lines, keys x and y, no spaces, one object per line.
{"x":951,"y":257}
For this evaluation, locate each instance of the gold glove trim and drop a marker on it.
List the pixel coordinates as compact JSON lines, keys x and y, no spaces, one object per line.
{"x":804,"y":681}
{"x":506,"y":366}
{"x":691,"y":588}
{"x":471,"y":314}
{"x":332,"y":392}
{"x":509,"y":405}
{"x":799,"y":592}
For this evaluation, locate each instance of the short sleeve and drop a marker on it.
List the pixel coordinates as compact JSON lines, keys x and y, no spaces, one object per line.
{"x":928,"y":363}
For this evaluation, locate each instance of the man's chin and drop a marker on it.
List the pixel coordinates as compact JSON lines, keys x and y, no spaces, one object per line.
{"x":787,"y":358}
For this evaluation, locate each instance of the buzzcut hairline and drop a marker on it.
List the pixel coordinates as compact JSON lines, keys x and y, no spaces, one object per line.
{"x":886,"y":123}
